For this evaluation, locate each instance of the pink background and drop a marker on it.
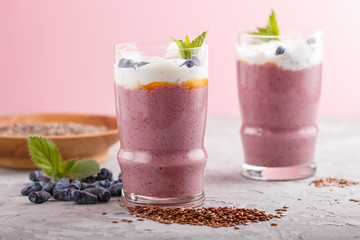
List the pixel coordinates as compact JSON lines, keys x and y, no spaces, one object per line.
{"x":57,"y":56}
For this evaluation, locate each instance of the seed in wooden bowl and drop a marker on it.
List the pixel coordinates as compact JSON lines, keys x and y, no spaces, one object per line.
{"x":50,"y":129}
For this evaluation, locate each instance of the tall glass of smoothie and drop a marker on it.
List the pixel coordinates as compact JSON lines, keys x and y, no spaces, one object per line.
{"x":279,"y":81}
{"x":161,"y":103}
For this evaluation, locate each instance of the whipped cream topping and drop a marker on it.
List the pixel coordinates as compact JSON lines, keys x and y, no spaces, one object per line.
{"x":160,"y":69}
{"x":299,"y":53}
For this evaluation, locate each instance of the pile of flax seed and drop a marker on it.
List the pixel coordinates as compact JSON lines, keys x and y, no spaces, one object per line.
{"x":208,"y":216}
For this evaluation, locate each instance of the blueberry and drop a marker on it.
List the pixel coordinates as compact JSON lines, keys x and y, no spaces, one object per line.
{"x":34,"y":187}
{"x":104,"y":174}
{"x":49,"y":187}
{"x":82,"y":197}
{"x":280,"y":50}
{"x":140,"y":64}
{"x":193,"y":61}
{"x":115,"y":189}
{"x":120,"y":178}
{"x":90,"y":179}
{"x":65,"y":194}
{"x":126,"y":63}
{"x":114,"y":182}
{"x":102,"y":194}
{"x":102,"y":183}
{"x":44,"y":178}
{"x":64,"y":183}
{"x":75,"y":184}
{"x":311,"y":41}
{"x":87,"y":185}
{"x":39,"y":197}
{"x":37,"y":176}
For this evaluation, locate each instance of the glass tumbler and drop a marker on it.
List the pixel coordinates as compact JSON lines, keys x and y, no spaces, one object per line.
{"x":161,"y":103}
{"x":279,"y":82}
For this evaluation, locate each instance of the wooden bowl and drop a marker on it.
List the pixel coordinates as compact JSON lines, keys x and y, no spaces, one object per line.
{"x":14,"y":151}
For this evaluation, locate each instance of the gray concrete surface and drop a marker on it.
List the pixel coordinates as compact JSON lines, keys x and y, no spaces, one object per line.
{"x":317,"y":216}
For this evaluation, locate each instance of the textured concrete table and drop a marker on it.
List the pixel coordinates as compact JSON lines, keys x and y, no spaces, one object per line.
{"x":317,"y":216}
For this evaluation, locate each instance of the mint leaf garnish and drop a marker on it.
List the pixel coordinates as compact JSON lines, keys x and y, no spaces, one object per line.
{"x":199,"y":40}
{"x":46,"y":156}
{"x":184,"y":50}
{"x":180,"y":45}
{"x":271,"y":29}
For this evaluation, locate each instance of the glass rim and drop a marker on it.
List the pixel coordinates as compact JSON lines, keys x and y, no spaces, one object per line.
{"x":166,"y":43}
{"x":308,"y":32}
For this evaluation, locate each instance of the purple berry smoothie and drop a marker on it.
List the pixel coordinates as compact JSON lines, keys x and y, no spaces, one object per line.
{"x":279,"y":83}
{"x":278,"y":109}
{"x":162,"y":155}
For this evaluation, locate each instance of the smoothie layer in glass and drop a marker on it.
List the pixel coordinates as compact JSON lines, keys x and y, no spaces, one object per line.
{"x":162,"y":131}
{"x":279,"y":109}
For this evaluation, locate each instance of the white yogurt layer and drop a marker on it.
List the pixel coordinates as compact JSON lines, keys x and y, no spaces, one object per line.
{"x":299,"y":54}
{"x":161,"y":69}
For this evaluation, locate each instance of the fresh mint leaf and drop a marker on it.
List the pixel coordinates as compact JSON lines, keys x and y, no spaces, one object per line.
{"x":66,"y":166}
{"x":199,"y":40}
{"x":45,"y":155}
{"x":185,"y":48}
{"x":83,"y":169}
{"x":187,"y":44}
{"x":271,"y":29}
{"x":181,"y":46}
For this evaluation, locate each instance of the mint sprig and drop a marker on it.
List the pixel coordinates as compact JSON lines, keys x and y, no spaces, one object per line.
{"x":184,"y":46}
{"x":271,"y":29}
{"x":46,"y":156}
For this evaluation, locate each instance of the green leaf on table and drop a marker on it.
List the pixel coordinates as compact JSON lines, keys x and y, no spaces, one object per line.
{"x":66,"y":166}
{"x":46,"y":156}
{"x":83,"y":169}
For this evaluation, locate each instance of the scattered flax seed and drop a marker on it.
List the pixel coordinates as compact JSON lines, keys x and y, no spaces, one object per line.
{"x":114,"y":221}
{"x":274,"y":224}
{"x":124,"y":220}
{"x":284,"y":210}
{"x":285,"y":207}
{"x":209,"y":216}
{"x":140,"y":219}
{"x":300,"y":199}
{"x":354,"y":200}
{"x":129,"y":221}
{"x":236,"y":228}
{"x":103,"y":213}
{"x":329,"y":182}
{"x":278,"y":212}
{"x":336,"y":199}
